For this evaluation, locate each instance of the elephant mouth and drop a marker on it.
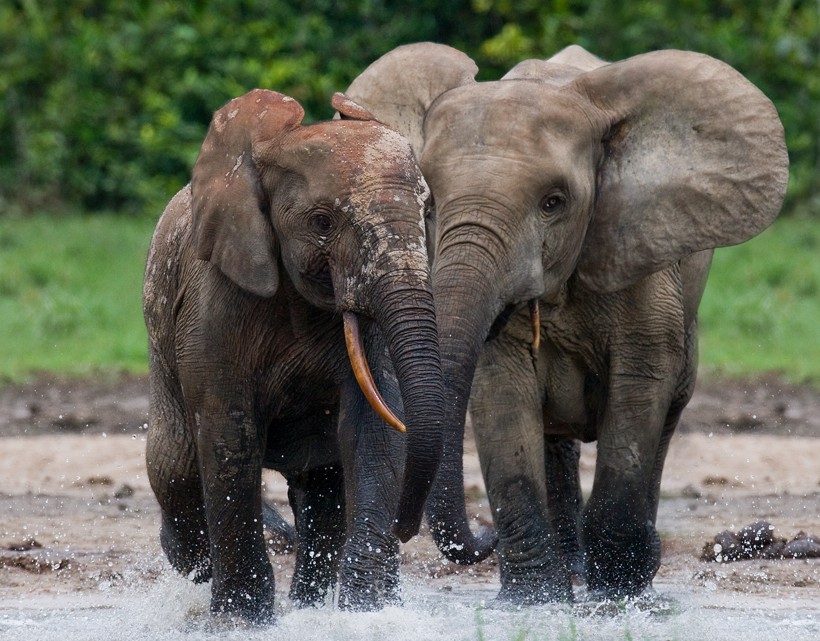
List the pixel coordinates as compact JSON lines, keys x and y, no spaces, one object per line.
{"x":320,"y":282}
{"x":506,"y":314}
{"x":501,"y":321}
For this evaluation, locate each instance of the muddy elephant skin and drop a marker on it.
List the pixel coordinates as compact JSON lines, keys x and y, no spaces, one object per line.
{"x":284,"y":231}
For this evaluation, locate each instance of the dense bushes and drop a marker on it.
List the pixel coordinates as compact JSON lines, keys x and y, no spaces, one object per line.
{"x":103,"y":103}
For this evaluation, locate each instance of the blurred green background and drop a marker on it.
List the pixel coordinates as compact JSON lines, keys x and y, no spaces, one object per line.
{"x":103,"y":106}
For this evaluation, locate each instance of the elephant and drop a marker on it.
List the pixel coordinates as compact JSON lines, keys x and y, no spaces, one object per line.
{"x":290,"y":317}
{"x":575,"y":207}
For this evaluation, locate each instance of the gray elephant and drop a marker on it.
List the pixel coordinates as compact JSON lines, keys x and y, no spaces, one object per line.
{"x":576,"y":205}
{"x":257,"y":276}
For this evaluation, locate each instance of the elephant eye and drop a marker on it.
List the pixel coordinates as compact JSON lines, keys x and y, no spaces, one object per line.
{"x":551,"y":203}
{"x":322,"y":223}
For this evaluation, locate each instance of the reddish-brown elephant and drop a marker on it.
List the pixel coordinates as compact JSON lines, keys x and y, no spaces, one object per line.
{"x":292,"y":247}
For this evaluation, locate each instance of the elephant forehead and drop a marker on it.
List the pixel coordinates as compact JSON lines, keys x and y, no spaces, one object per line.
{"x":521,"y":115}
{"x":351,"y":147}
{"x":360,"y":165}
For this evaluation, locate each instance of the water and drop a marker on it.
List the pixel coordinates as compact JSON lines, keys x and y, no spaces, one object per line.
{"x":173,"y":609}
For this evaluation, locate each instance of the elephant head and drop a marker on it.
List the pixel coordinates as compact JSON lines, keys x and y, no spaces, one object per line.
{"x":567,"y":170}
{"x":337,"y":208}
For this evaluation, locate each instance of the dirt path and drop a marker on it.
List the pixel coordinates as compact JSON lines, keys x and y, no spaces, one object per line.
{"x":77,"y":515}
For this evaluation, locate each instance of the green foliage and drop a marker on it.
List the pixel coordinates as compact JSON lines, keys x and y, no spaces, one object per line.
{"x":70,"y":294}
{"x":103,"y":103}
{"x":774,"y":43}
{"x":759,"y":313}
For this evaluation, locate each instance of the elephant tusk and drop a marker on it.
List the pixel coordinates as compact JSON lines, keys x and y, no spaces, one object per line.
{"x":535,"y":317}
{"x":361,"y":370}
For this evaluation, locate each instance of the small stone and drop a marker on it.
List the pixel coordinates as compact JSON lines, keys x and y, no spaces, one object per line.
{"x":756,"y":536}
{"x":808,"y":548}
{"x":124,"y":491}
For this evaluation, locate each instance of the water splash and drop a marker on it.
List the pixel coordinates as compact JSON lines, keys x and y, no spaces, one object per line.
{"x":171,"y":608}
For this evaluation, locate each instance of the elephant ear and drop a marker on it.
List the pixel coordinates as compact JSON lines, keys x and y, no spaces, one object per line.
{"x":399,"y":87}
{"x":347,"y":109}
{"x":694,"y":158}
{"x":230,"y":226}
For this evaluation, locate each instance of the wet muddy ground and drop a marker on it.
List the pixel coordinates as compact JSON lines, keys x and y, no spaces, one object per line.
{"x":80,"y":559}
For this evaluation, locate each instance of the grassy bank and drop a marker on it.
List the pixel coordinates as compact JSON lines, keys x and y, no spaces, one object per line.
{"x":70,"y":290}
{"x":761,"y":309}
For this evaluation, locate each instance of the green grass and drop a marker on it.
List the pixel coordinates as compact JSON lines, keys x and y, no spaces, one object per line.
{"x":761,"y":309}
{"x":70,"y":290}
{"x":70,"y":295}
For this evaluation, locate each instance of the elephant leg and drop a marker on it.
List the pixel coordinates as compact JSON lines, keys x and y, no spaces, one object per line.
{"x":318,"y":504}
{"x":283,"y":533}
{"x":682,"y":396}
{"x":173,"y":472}
{"x":229,"y":446}
{"x":506,"y":415}
{"x":373,"y":458}
{"x":620,"y":541}
{"x":564,"y":498}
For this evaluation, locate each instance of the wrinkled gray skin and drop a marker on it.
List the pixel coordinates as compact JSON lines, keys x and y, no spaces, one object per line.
{"x":598,"y":191}
{"x":282,"y":228}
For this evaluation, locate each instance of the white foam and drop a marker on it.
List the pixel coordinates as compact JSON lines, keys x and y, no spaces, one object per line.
{"x":173,"y":609}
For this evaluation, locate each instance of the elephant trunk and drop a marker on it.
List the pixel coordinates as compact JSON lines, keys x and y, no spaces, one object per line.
{"x":407,"y":318}
{"x":463,"y":326}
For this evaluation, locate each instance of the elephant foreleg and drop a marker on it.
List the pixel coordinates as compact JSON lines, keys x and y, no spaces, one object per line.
{"x":506,"y":415}
{"x":620,"y":541}
{"x":682,"y":396}
{"x":318,"y":504}
{"x":230,"y":453}
{"x":564,"y":498}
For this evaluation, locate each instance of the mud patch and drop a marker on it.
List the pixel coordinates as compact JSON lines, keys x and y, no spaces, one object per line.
{"x":80,"y":555}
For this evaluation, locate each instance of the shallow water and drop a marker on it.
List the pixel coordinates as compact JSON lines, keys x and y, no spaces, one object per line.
{"x":173,"y":609}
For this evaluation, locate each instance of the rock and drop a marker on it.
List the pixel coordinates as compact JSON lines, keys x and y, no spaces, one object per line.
{"x":24,"y":546}
{"x":773,"y":551}
{"x":724,"y":547}
{"x":756,"y":536}
{"x":757,"y":541}
{"x":807,"y":548}
{"x":124,"y":491}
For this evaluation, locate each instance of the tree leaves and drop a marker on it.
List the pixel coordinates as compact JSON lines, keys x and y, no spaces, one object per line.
{"x":104,"y":103}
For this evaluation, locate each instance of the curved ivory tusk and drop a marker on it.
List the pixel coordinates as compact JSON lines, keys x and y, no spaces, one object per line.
{"x":361,"y":370}
{"x":535,"y":317}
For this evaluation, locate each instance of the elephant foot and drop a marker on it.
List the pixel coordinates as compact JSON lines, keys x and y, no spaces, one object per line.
{"x":186,"y":555}
{"x":250,"y":600}
{"x":578,"y":574}
{"x":367,"y":592}
{"x":369,"y":576}
{"x":306,"y":592}
{"x":368,"y":600}
{"x":623,"y":566}
{"x":517,"y":592}
{"x":533,"y":576}
{"x":591,"y":603}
